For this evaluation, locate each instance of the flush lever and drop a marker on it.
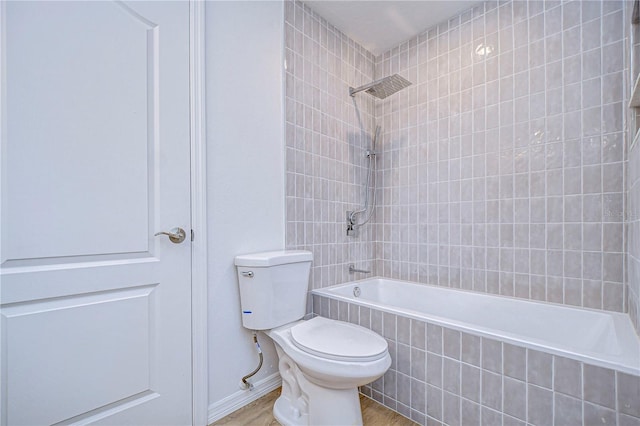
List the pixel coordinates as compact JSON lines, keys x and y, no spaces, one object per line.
{"x":176,"y":235}
{"x":247,"y":274}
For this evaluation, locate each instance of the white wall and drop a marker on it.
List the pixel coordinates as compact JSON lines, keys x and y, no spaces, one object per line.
{"x":245,"y":172}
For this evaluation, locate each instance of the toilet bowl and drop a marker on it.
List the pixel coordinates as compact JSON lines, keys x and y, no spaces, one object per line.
{"x":322,"y":361}
{"x":333,"y":353}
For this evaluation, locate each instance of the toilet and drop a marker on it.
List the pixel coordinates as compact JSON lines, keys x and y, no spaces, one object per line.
{"x":322,"y":361}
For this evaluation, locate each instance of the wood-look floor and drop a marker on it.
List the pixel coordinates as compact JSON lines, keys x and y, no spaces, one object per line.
{"x":260,"y":413}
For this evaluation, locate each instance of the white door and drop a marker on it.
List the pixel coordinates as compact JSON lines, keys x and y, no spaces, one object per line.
{"x":95,"y":310}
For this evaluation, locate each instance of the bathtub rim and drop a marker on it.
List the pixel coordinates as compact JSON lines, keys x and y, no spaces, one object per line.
{"x":622,"y":322}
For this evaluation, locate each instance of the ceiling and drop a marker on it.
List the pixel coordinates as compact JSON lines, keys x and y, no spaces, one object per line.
{"x":381,"y":25}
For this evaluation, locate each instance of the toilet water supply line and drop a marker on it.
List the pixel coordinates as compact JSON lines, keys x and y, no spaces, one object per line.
{"x":245,"y":383}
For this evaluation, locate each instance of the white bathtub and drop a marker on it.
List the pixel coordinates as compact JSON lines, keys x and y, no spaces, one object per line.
{"x":602,"y":338}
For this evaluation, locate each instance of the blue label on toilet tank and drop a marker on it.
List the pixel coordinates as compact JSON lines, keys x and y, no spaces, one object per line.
{"x":247,"y":312}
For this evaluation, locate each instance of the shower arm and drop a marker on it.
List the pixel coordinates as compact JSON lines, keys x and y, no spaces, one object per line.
{"x":353,"y":91}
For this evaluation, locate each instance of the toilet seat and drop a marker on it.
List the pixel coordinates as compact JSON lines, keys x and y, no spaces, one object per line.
{"x":338,"y":340}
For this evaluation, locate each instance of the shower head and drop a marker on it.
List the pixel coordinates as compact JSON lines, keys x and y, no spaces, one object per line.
{"x":382,"y":88}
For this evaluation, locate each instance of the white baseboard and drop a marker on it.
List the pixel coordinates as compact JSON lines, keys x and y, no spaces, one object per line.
{"x":239,"y":399}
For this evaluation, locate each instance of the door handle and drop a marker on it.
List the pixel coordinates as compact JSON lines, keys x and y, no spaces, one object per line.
{"x":176,"y":235}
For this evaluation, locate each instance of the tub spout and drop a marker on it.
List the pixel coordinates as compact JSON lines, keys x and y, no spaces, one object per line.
{"x":352,"y":269}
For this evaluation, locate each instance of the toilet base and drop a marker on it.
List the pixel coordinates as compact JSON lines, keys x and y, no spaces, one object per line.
{"x":305,"y":403}
{"x":286,"y":415}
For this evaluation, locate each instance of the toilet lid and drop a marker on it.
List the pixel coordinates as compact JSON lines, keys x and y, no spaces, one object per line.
{"x":338,"y":340}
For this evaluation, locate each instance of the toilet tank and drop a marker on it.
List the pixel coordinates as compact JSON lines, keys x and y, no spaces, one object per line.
{"x":273,"y":287}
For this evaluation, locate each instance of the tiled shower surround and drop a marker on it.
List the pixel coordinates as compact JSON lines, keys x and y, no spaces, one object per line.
{"x":327,"y":133}
{"x":634,"y":234}
{"x":440,"y":375}
{"x":633,"y":186}
{"x":502,"y":169}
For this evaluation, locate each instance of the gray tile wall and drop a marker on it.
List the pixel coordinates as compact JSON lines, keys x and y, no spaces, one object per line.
{"x":633,"y":188}
{"x":633,"y":233}
{"x":327,"y":133}
{"x":492,"y":177}
{"x":502,"y":166}
{"x":443,"y":376}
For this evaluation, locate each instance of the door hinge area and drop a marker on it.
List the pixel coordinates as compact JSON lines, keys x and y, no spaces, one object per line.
{"x":193,"y":235}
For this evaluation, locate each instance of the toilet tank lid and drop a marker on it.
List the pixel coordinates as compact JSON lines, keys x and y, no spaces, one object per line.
{"x":273,"y":258}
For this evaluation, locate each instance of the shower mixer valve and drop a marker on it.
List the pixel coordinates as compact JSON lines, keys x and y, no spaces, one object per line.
{"x":352,"y":230}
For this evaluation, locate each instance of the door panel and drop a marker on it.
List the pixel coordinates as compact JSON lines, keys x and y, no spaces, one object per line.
{"x":95,"y":310}
{"x":68,"y":328}
{"x":85,"y":105}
